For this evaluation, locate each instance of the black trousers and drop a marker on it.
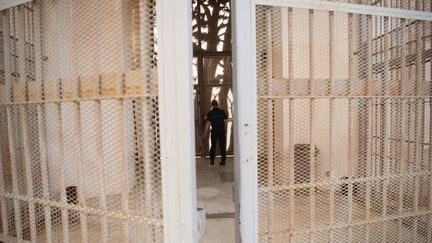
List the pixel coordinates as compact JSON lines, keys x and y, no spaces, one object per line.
{"x":215,"y":136}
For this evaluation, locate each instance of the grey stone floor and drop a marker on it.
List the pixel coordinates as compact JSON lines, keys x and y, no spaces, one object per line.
{"x":215,"y":195}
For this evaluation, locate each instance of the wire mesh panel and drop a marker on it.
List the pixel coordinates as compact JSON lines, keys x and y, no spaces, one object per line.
{"x":344,"y":127}
{"x":79,"y":122}
{"x":421,"y":5}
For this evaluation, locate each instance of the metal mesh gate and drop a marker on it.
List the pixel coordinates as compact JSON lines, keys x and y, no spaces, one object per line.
{"x":79,"y":123}
{"x":344,"y":127}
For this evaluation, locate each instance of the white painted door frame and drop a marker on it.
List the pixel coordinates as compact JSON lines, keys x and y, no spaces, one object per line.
{"x":245,"y":121}
{"x":174,"y":20}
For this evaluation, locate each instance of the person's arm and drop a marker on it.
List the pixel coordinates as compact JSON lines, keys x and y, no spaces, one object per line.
{"x":225,"y":121}
{"x":207,"y":126}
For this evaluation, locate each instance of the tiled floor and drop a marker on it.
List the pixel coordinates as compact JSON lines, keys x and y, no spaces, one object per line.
{"x":215,"y":195}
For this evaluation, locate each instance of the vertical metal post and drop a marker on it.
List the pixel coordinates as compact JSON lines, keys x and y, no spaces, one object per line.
{"x":370,"y":92}
{"x":419,"y":120}
{"x":61,"y":168}
{"x":44,"y":171}
{"x":4,"y":218}
{"x":311,"y":122}
{"x":28,"y":171}
{"x":352,"y":73}
{"x":101,"y":170}
{"x":177,"y":135}
{"x":331,"y":117}
{"x":387,"y":118}
{"x":270,"y":101}
{"x":245,"y":130}
{"x":291,"y":168}
{"x":403,"y":139}
{"x":291,"y":165}
{"x":125,"y":151}
{"x":14,"y":171}
{"x":80,"y":171}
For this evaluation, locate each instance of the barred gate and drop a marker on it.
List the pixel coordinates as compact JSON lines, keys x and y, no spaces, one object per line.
{"x":344,"y":126}
{"x":79,"y":123}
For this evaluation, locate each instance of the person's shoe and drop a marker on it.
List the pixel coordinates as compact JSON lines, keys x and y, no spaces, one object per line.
{"x":222,"y":162}
{"x":211,"y":162}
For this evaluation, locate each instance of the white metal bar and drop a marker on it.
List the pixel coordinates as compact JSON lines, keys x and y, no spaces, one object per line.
{"x":387,"y":119}
{"x":350,"y":169}
{"x":79,"y":168}
{"x":4,"y":217}
{"x":5,"y":4}
{"x":89,"y":210}
{"x":404,"y":72}
{"x":21,"y":86}
{"x":419,"y":118}
{"x":146,"y":156}
{"x":312,"y":164}
{"x":14,"y":172}
{"x":291,"y":168}
{"x":370,"y":120}
{"x":290,"y":51}
{"x":125,"y":193}
{"x":352,"y":76}
{"x":177,"y":135}
{"x":418,"y":157}
{"x":333,"y":167}
{"x":60,"y":169}
{"x":95,"y":98}
{"x":44,"y":172}
{"x":311,"y":123}
{"x":387,"y":134}
{"x":402,"y":166}
{"x":38,"y":45}
{"x":337,"y":96}
{"x":28,"y":171}
{"x":101,"y":171}
{"x":403,"y":138}
{"x":340,"y":182}
{"x":349,"y":8}
{"x":245,"y":130}
{"x":291,"y":160}
{"x":9,"y":67}
{"x":369,"y":163}
{"x":331,"y":122}
{"x":270,"y":160}
{"x":361,"y":223}
{"x":270,"y":147}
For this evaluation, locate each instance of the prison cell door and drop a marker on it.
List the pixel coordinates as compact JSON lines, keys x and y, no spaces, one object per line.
{"x":87,"y":143}
{"x":343,"y":122}
{"x":341,"y":126}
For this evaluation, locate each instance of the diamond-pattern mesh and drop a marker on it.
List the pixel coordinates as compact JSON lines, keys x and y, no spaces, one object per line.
{"x":344,"y":126}
{"x":79,"y":122}
{"x":420,"y":5}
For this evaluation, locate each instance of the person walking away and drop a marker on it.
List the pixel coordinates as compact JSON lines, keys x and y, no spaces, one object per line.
{"x":217,"y":119}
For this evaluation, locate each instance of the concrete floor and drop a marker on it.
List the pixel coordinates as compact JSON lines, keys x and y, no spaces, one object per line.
{"x":215,"y":195}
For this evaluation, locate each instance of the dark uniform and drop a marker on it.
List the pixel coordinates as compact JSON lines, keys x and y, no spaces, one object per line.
{"x":217,"y":119}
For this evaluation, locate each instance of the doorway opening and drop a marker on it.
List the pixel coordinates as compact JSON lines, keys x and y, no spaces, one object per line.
{"x":212,"y":79}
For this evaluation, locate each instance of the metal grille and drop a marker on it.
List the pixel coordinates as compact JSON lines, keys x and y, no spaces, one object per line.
{"x":344,"y":127}
{"x":420,"y":5}
{"x":79,"y":123}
